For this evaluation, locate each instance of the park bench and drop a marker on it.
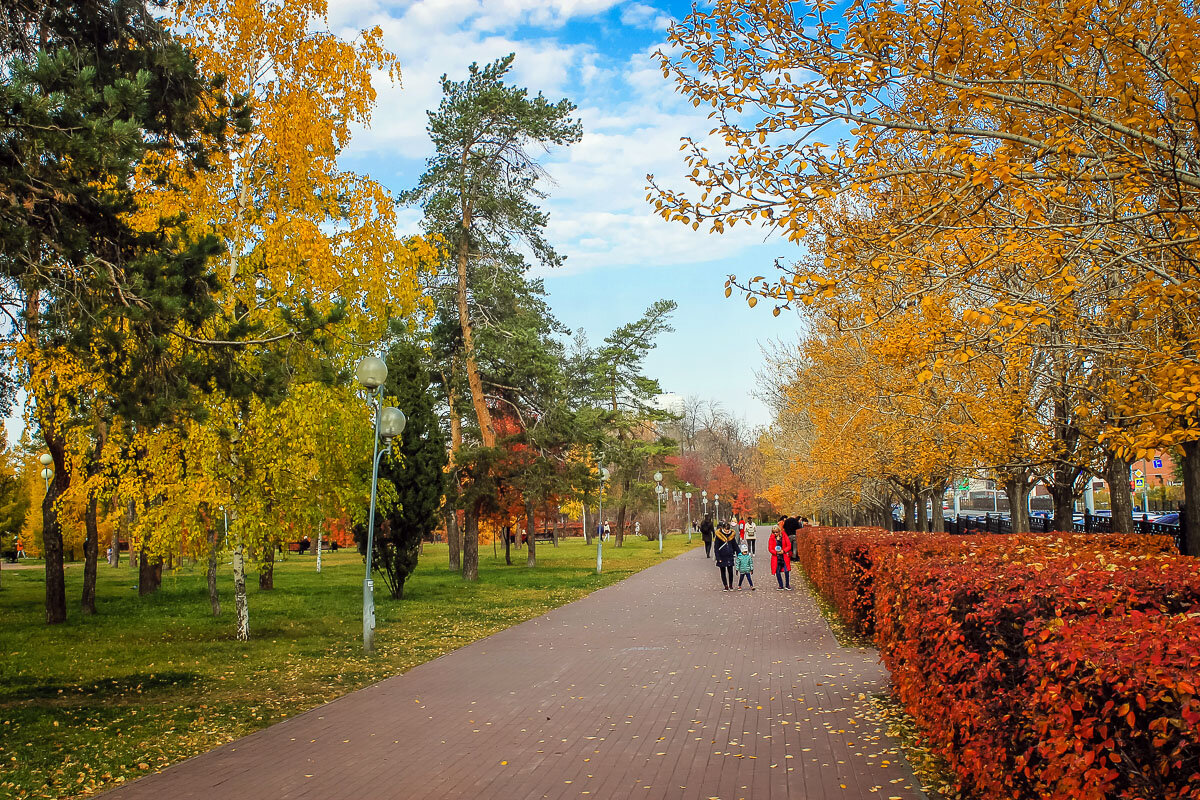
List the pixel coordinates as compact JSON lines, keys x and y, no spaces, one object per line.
{"x":294,"y":547}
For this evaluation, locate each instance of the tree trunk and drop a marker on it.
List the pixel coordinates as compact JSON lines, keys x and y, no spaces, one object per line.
{"x":620,"y":532}
{"x":937,"y":522}
{"x":530,"y":532}
{"x":1017,"y":490}
{"x":114,"y":555}
{"x":91,"y":553}
{"x":453,"y":538}
{"x":922,"y":511}
{"x":214,"y":599}
{"x":1190,"y":518}
{"x":320,"y":530}
{"x":149,"y":573}
{"x":557,"y":524}
{"x":1062,"y":492}
{"x":910,"y":512}
{"x":470,"y":556}
{"x":241,"y":605}
{"x":1120,"y":498}
{"x":507,"y":534}
{"x":587,"y":533}
{"x":52,"y":539}
{"x":486,"y":432}
{"x":266,"y":573}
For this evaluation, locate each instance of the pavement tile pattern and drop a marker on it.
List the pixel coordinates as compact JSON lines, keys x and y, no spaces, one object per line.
{"x":660,"y":686}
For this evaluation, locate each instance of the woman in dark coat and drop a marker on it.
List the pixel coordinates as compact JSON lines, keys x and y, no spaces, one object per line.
{"x":706,"y":531}
{"x":726,"y":550}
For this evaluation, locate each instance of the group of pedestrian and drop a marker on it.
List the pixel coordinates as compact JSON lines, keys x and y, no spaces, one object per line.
{"x":733,"y":545}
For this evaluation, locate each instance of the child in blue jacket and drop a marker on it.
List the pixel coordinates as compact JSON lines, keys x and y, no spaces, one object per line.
{"x":744,"y":562}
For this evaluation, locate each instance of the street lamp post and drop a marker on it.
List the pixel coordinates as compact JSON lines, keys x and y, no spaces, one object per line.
{"x":717,"y":502}
{"x":704,"y":499}
{"x":371,"y":373}
{"x":688,"y":495}
{"x":600,"y":523}
{"x":658,"y":496}
{"x":46,"y":473}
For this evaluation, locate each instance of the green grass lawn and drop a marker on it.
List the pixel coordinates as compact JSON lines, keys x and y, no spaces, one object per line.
{"x":150,"y":681}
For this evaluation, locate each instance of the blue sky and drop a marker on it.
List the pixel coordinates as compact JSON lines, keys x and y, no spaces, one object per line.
{"x":620,"y":256}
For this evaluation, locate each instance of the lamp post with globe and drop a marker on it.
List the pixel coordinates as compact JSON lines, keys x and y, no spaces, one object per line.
{"x":704,"y":500}
{"x":47,"y":473}
{"x":658,"y":498}
{"x":371,"y":373}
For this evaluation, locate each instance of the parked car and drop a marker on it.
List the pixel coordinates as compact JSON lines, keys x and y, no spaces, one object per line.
{"x":1170,"y":518}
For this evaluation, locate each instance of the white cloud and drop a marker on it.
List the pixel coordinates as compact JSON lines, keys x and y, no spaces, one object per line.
{"x":632,"y":119}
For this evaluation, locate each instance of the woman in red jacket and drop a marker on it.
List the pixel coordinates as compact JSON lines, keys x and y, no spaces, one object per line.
{"x":780,"y":548}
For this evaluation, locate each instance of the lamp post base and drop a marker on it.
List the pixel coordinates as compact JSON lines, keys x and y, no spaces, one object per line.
{"x":368,"y":615}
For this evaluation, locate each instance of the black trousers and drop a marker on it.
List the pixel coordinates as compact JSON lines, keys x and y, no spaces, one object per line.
{"x":726,"y":575}
{"x":750,"y":544}
{"x":708,"y":548}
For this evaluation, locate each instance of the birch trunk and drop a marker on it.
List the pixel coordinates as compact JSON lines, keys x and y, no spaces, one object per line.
{"x":240,"y":604}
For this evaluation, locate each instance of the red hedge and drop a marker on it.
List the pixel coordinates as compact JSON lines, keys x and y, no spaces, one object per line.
{"x":1007,"y":649}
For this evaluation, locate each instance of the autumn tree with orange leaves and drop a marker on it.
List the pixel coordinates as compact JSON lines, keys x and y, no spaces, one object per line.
{"x":1028,"y":166}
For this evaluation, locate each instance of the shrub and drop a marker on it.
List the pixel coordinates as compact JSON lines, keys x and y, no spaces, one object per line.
{"x":968,"y":627}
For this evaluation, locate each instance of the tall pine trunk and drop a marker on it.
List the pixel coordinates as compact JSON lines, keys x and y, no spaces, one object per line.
{"x":91,"y":550}
{"x":1120,"y":498}
{"x":486,"y":432}
{"x":470,"y":565}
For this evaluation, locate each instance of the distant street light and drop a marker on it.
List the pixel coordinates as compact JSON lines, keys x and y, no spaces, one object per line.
{"x":717,"y":500}
{"x":704,"y":498}
{"x":371,"y":374}
{"x":600,"y":522}
{"x":688,"y":495}
{"x":658,"y":494}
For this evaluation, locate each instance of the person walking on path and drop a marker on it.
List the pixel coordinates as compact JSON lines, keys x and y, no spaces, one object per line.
{"x":726,"y":551}
{"x":780,"y":547}
{"x":706,"y":532}
{"x":790,"y":526}
{"x":751,"y":533}
{"x":744,"y":563}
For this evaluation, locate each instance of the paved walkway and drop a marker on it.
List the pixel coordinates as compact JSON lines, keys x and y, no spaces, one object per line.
{"x":661,"y":686}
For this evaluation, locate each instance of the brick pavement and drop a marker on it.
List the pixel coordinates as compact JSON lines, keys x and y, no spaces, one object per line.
{"x":661,"y":686}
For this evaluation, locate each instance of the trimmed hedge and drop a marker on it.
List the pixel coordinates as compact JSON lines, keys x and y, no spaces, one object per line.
{"x":1008,"y":650}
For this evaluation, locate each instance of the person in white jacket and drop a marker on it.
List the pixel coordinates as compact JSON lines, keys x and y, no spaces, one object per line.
{"x":750,"y":534}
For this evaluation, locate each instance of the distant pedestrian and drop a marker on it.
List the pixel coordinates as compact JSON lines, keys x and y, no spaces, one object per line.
{"x":745,"y":567}
{"x":780,"y":547}
{"x":637,"y":528}
{"x":751,"y":534}
{"x":607,"y":530}
{"x":706,"y":532}
{"x":725,"y":549}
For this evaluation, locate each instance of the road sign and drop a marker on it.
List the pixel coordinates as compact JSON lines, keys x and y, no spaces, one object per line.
{"x":1158,"y":463}
{"x":963,"y":486}
{"x":1140,"y":483}
{"x":1137,"y":473}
